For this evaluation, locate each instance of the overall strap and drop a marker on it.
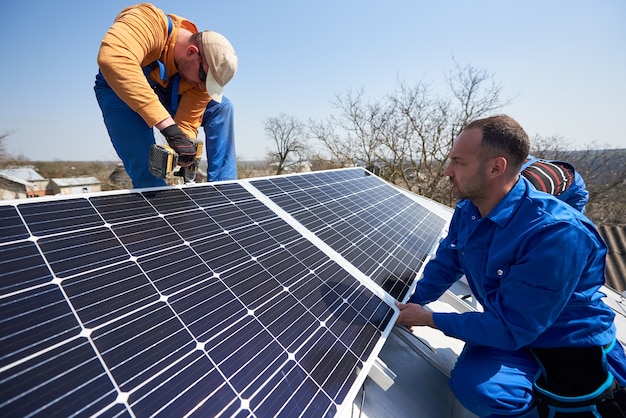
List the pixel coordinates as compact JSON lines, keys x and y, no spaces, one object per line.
{"x":176,"y":79}
{"x":163,"y":73}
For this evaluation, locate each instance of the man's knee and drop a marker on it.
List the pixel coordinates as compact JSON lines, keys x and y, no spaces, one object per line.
{"x":486,"y":397}
{"x":488,"y":381}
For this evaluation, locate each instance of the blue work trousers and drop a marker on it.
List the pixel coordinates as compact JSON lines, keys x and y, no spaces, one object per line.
{"x":219,"y":131}
{"x":132,"y":137}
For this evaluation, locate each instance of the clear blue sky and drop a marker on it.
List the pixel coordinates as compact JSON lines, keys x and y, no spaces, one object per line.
{"x":563,"y":62}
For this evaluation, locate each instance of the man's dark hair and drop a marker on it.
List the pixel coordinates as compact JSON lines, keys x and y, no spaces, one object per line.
{"x":503,"y":136}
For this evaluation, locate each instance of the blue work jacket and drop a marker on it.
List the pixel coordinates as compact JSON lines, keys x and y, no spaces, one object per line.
{"x":536,"y":266}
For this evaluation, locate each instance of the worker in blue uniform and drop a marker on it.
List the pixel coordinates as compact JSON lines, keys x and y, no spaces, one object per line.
{"x":545,"y":341}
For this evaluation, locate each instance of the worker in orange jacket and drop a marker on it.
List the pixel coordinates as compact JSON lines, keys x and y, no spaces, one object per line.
{"x":158,"y":70}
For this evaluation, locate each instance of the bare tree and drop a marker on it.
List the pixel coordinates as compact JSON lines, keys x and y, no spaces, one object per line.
{"x":3,"y":151}
{"x":287,"y":132}
{"x":407,"y":135}
{"x":351,"y":138}
{"x":7,"y":159}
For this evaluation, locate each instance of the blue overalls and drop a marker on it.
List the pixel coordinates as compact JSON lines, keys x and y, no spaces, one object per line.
{"x":132,"y":137}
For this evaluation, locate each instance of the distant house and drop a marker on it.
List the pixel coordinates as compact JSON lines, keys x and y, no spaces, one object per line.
{"x":22,"y":182}
{"x":75,"y":185}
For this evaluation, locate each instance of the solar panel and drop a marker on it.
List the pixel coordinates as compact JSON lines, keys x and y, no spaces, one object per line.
{"x":256,"y":298}
{"x":379,"y":229}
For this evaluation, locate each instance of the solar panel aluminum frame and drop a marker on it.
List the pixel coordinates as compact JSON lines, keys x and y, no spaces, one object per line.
{"x":73,"y":269}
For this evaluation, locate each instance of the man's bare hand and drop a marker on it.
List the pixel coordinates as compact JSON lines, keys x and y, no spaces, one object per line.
{"x":412,"y":314}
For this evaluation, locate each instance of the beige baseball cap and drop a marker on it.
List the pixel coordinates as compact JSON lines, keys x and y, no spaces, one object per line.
{"x":222,"y":60}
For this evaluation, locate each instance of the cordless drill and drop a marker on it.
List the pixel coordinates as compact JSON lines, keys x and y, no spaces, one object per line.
{"x":163,"y":161}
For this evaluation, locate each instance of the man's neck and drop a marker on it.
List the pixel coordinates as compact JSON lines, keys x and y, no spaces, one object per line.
{"x":183,"y":40}
{"x":493,"y":197}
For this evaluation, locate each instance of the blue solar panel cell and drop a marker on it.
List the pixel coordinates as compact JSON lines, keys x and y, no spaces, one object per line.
{"x":221,"y":252}
{"x":175,"y":269}
{"x":21,"y":267}
{"x":248,"y":357}
{"x":187,"y":225}
{"x":329,"y":363}
{"x":147,"y":235}
{"x":123,"y":207}
{"x":63,"y":380}
{"x":191,"y":385}
{"x":288,"y":320}
{"x":292,"y":392}
{"x":234,"y":192}
{"x":234,"y":299}
{"x":255,"y":240}
{"x":207,"y":308}
{"x":256,"y":210}
{"x":11,"y":226}
{"x":53,"y":217}
{"x":281,"y":231}
{"x":138,"y":347}
{"x":33,"y":321}
{"x":308,"y":255}
{"x":229,"y":217}
{"x":282,"y":264}
{"x":78,"y":252}
{"x":109,"y":293}
{"x":252,"y":284}
{"x":169,"y":201}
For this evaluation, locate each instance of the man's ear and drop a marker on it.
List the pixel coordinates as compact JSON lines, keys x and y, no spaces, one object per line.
{"x":192,"y":50}
{"x":498,"y":166}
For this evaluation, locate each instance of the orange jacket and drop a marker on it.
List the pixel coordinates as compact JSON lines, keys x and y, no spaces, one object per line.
{"x":137,"y":38}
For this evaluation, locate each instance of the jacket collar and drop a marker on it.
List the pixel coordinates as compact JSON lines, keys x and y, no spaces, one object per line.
{"x":505,"y":209}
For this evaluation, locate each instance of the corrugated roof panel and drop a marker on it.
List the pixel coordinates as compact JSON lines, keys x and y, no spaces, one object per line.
{"x":22,"y":173}
{"x":615,"y":238}
{"x":75,"y":181}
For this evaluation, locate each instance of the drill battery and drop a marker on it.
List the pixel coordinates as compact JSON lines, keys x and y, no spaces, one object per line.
{"x":163,"y":161}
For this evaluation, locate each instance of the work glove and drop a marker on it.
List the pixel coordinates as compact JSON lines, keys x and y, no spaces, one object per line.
{"x":185,"y":149}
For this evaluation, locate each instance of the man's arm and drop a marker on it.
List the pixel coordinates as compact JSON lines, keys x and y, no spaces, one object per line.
{"x":136,"y":38}
{"x":191,"y":108}
{"x":442,"y":271}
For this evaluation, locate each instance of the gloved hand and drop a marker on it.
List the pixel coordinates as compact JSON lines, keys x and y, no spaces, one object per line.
{"x":185,"y":149}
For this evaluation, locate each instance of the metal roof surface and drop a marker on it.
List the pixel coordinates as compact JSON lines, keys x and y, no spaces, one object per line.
{"x":75,"y":181}
{"x":23,"y":174}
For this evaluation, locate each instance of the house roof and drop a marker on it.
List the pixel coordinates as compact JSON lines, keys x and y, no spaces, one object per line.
{"x":75,"y":181}
{"x":23,"y":175}
{"x":615,"y":238}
